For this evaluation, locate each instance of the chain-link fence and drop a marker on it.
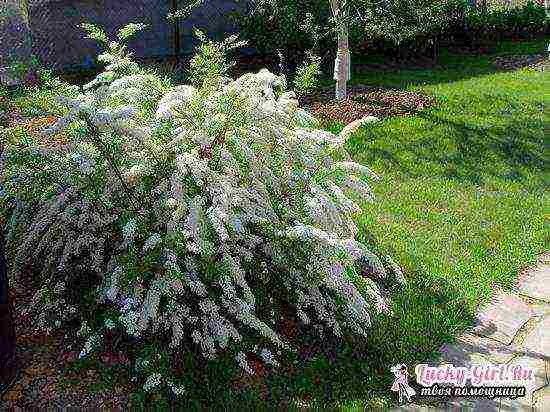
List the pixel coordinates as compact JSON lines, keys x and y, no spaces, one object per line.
{"x":48,"y":29}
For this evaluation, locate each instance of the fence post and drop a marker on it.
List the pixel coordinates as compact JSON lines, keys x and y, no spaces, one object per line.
{"x":177,"y":40}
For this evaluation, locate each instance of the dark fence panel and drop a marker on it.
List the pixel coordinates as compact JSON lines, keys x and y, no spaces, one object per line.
{"x":15,"y":41}
{"x":59,"y":43}
{"x":213,"y":17}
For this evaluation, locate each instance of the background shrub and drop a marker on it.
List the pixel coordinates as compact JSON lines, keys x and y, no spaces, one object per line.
{"x":476,"y":25}
{"x":307,"y":75}
{"x":401,"y":27}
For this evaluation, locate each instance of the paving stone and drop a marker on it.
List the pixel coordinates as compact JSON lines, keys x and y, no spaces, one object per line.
{"x":535,"y":283}
{"x":538,"y":341}
{"x":541,"y":309}
{"x":502,"y":318}
{"x":415,"y":408}
{"x":458,"y":355}
{"x":477,"y":405}
{"x":541,"y":400}
{"x":472,"y":349}
{"x":407,"y":408}
{"x":544,"y":259}
{"x":491,"y":341}
{"x":540,"y":380}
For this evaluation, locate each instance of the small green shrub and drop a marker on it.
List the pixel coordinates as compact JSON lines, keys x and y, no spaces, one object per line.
{"x":501,"y":23}
{"x":282,"y":20}
{"x":307,"y":75}
{"x":210,"y":64}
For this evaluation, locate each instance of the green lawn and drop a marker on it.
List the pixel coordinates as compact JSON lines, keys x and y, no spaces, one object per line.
{"x":462,"y":204}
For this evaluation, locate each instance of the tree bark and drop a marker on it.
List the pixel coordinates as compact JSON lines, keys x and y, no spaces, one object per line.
{"x":342,"y":63}
{"x":344,"y":66}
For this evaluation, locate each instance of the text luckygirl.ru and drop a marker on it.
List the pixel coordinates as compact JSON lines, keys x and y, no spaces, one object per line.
{"x":477,"y":375}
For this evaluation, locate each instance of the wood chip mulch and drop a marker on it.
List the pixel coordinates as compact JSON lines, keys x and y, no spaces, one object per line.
{"x":44,"y":381}
{"x":365,"y":101}
{"x":538,"y":62}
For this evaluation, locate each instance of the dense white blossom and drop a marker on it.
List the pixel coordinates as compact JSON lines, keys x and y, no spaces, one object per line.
{"x":152,"y":241}
{"x":177,"y":390}
{"x":173,"y":101}
{"x":239,"y":184}
{"x":267,"y":356}
{"x":152,"y":382}
{"x":243,"y":363}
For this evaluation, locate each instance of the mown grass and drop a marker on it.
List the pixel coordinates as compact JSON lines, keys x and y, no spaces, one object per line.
{"x":463,"y":203}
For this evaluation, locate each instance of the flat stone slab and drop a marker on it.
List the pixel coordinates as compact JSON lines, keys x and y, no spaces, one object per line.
{"x":541,"y":309}
{"x":478,"y":405}
{"x":541,"y":399}
{"x":539,"y":381}
{"x":502,"y":318}
{"x":471,"y":349}
{"x":535,"y":282}
{"x":413,"y":408}
{"x":537,"y":343}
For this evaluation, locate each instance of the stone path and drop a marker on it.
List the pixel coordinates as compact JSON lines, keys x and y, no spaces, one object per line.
{"x":514,"y":329}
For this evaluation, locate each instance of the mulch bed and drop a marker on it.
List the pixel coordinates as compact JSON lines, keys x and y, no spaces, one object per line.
{"x":538,"y":62}
{"x":44,"y":382}
{"x":365,"y":101}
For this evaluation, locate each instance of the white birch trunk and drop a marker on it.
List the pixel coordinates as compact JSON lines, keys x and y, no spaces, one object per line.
{"x":342,"y":63}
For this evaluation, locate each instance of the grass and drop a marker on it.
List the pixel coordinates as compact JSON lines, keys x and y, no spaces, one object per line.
{"x":462,"y":204}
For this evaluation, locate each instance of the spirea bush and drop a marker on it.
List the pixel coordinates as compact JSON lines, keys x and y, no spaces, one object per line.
{"x":210,"y":62}
{"x":193,"y":224}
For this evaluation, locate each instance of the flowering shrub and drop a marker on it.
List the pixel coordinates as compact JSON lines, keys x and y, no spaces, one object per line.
{"x":192,"y":224}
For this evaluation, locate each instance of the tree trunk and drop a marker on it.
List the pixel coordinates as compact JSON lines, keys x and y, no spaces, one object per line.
{"x":342,"y":63}
{"x":435,"y":49}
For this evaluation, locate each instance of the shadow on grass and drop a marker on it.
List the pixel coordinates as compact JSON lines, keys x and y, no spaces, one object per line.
{"x":508,"y":152}
{"x":462,"y":151}
{"x":427,"y":312}
{"x":448,"y":68}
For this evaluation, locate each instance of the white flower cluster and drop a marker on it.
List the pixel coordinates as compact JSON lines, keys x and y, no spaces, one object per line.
{"x":91,"y":344}
{"x":243,"y":187}
{"x":177,"y":390}
{"x":152,"y":382}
